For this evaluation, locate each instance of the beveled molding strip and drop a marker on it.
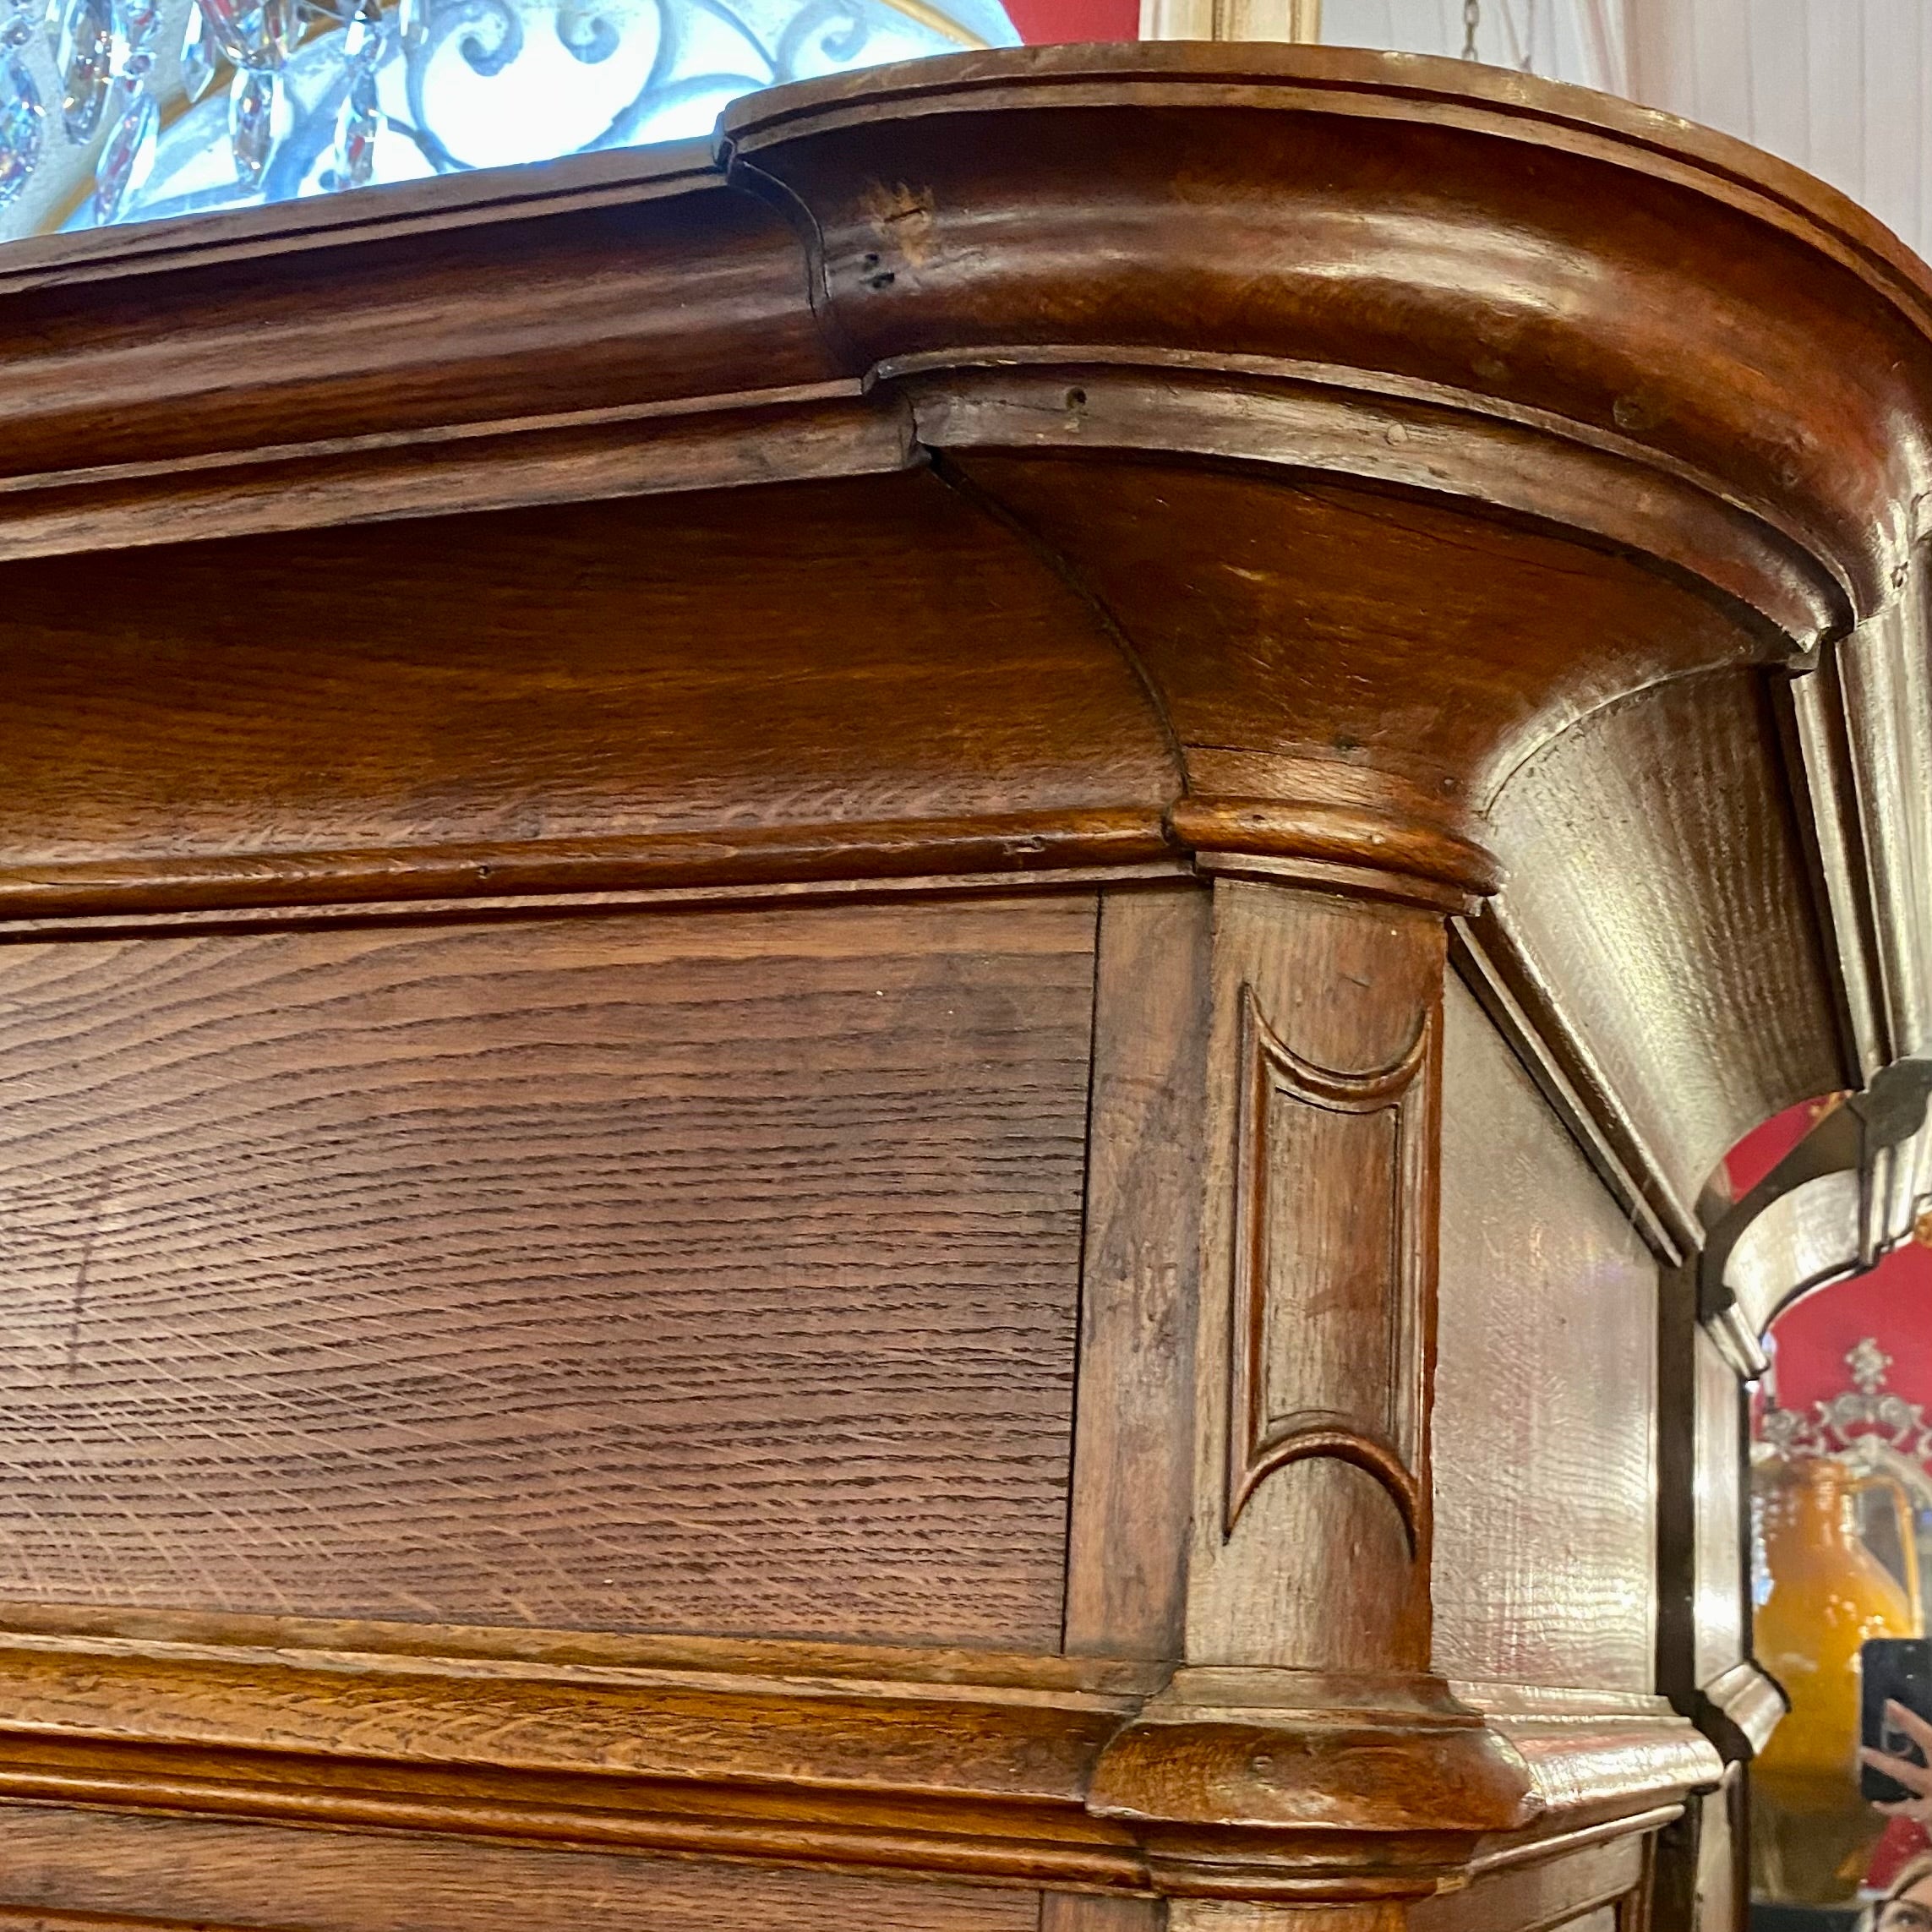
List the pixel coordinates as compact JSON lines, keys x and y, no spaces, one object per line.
{"x":799,"y":435}
{"x":1492,"y":963}
{"x":1353,"y":849}
{"x":1369,"y":849}
{"x":996,"y":842}
{"x":806,"y":1753}
{"x":979,"y":1764}
{"x":1740,"y":1708}
{"x":1286,"y":417}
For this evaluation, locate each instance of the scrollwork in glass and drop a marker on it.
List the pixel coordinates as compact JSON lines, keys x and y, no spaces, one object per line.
{"x":141,"y":109}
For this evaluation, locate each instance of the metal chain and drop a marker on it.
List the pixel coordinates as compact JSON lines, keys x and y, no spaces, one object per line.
{"x":1471,"y":20}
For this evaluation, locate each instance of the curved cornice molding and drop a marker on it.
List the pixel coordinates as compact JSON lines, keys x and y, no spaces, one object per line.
{"x":1391,"y":415}
{"x":1427,"y":274}
{"x":1551,"y":263}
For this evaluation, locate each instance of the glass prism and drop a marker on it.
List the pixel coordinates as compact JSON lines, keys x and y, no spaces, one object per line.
{"x":200,"y":55}
{"x":134,"y":22}
{"x":22,"y":130}
{"x":356,"y":127}
{"x":258,"y":117}
{"x":128,"y":157}
{"x":363,"y":37}
{"x":83,"y":57}
{"x":258,"y":34}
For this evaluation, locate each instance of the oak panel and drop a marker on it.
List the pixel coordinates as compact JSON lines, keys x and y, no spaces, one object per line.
{"x":261,"y":1878}
{"x":614,"y":675}
{"x":1577,"y":1889}
{"x":1544,"y":1392}
{"x":1133,"y":1502}
{"x":1675,"y":916}
{"x":1094,"y":1911}
{"x":710,"y":1272}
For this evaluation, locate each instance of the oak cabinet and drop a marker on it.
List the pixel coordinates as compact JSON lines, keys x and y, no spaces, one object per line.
{"x":861,"y":995}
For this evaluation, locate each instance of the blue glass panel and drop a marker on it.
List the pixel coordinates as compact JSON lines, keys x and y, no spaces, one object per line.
{"x":267,"y":101}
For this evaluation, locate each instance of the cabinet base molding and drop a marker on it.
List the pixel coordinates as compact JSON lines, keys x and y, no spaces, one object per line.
{"x":1098,"y":1773}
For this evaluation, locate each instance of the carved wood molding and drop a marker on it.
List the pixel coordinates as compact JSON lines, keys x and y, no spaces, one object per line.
{"x":1433,"y":1780}
{"x":943,"y":1761}
{"x":1012,"y":1768}
{"x":885,"y":274}
{"x":1740,"y":1708}
{"x":1014,"y":843}
{"x":1373,"y":1276}
{"x":1413,"y":858}
{"x":1286,"y":414}
{"x":712,"y":338}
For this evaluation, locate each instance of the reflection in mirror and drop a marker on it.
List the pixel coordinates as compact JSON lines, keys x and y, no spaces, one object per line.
{"x":1841,"y":1549}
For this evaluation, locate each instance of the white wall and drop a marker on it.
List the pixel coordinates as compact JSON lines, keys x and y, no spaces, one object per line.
{"x":1564,"y":40}
{"x":1841,"y":87}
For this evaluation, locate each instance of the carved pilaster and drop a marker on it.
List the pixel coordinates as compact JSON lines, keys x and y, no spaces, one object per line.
{"x":1319,"y":1302}
{"x":1304,"y":1751}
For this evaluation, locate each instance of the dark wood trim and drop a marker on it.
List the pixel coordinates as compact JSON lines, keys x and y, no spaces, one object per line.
{"x":302,"y":916}
{"x":1470,"y":957}
{"x":1019,"y":843}
{"x":1812,"y":729}
{"x":829,"y":429}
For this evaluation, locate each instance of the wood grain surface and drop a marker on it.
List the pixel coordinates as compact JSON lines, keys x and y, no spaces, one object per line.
{"x":1226,"y":1915}
{"x":444,"y":296}
{"x":1721,"y":1617}
{"x":1332,"y":178}
{"x":535,"y":690}
{"x":1704,"y":1615}
{"x":210,"y":1873}
{"x":1094,"y":1911}
{"x":1676,"y":917}
{"x":1132,"y":1503}
{"x":1571,"y":1888}
{"x":1331,"y":588}
{"x":1545,"y":1392}
{"x":1348,"y":988}
{"x":711,"y":1273}
{"x":1376,"y":476}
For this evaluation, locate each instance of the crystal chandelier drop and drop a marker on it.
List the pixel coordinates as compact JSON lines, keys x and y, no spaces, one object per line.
{"x":115,"y":111}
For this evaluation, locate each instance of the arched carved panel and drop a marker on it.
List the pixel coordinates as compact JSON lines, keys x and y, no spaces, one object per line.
{"x":1332,"y":1164}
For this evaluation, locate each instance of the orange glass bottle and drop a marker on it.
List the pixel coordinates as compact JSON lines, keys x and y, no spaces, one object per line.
{"x":1811,"y":1831}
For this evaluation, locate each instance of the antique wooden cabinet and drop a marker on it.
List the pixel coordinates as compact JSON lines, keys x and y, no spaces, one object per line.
{"x":862,"y":998}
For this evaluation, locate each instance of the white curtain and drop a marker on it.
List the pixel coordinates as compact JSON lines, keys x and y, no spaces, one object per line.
{"x":1843,"y":88}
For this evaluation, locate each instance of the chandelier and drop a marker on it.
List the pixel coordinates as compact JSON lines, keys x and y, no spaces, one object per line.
{"x":114,"y":111}
{"x":1858,"y":1419}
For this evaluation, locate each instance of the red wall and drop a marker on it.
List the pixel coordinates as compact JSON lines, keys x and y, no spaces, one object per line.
{"x":1892,"y":1304}
{"x":1040,"y":21}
